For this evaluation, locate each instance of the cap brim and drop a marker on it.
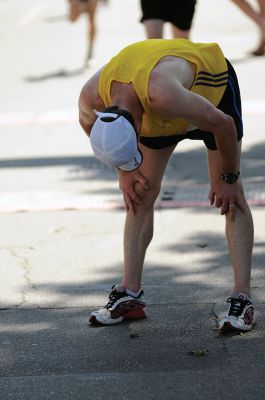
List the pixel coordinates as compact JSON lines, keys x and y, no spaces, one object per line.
{"x":105,"y":114}
{"x":134,"y":163}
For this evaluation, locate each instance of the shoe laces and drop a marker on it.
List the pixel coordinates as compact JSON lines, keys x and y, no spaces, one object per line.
{"x":237,"y":306}
{"x":114,"y":296}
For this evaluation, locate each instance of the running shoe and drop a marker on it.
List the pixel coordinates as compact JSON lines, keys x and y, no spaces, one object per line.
{"x":240,"y":315}
{"x":120,"y":307}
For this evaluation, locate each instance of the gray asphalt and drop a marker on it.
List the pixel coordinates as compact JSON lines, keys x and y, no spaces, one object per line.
{"x":61,"y":227}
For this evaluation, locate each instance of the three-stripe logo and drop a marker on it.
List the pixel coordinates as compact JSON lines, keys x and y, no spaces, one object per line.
{"x":213,"y":80}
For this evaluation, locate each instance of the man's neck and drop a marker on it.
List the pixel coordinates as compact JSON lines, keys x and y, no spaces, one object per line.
{"x":124,"y":96}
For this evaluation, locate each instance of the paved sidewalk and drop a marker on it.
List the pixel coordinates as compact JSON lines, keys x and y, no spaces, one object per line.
{"x":61,"y":229}
{"x":61,"y":267}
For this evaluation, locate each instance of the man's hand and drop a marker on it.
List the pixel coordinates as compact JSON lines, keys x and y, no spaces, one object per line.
{"x":128,"y":180}
{"x":225,"y":195}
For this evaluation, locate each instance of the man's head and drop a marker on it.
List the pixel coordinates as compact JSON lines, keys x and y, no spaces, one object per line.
{"x":114,"y":139}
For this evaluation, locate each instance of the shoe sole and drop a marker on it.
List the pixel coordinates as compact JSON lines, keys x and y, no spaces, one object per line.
{"x":229,"y":328}
{"x":133,"y":315}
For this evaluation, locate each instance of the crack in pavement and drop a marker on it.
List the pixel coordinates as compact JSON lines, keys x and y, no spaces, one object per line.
{"x":24,"y":263}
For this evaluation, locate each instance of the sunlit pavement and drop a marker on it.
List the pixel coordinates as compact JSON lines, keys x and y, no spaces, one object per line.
{"x":61,"y":226}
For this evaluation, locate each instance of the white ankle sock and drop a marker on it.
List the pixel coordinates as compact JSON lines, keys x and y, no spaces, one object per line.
{"x":131,"y":293}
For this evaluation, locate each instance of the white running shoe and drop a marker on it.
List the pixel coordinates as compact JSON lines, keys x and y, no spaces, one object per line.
{"x":240,"y":315}
{"x":120,"y":307}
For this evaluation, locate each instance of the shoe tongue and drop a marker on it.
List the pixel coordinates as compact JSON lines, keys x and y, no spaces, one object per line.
{"x":239,"y":296}
{"x":119,"y":288}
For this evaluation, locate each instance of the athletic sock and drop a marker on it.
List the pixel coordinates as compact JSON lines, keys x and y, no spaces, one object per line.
{"x":133,"y":294}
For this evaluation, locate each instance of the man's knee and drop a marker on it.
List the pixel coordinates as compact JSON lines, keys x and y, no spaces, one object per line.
{"x":235,"y":211}
{"x":232,"y":213}
{"x":74,"y":10}
{"x":147,"y":196}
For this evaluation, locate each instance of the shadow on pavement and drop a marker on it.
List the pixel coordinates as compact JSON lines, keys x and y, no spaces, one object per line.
{"x":40,"y":162}
{"x":188,"y":166}
{"x":62,"y":73}
{"x":56,"y":18}
{"x":207,"y":265}
{"x":59,"y":341}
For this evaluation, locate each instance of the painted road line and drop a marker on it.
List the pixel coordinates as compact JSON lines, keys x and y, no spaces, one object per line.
{"x":31,"y":15}
{"x":192,"y":196}
{"x":56,"y":201}
{"x":31,"y":118}
{"x":250,"y":108}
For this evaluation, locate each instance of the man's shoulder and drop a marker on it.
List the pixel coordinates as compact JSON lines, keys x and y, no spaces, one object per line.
{"x":89,"y":96}
{"x":168,"y":78}
{"x":89,"y":100}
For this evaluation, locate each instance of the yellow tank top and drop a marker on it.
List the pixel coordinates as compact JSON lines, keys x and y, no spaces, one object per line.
{"x":135,"y":63}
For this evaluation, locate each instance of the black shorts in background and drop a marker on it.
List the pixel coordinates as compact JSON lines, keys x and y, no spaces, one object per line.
{"x":178,"y":12}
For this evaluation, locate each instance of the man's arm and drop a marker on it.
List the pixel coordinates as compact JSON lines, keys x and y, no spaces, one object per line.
{"x":87,"y":116}
{"x":176,"y":101}
{"x":89,"y":100}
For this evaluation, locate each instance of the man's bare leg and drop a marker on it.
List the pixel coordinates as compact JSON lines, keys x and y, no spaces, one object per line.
{"x":127,"y":301}
{"x":239,"y":232}
{"x":179,"y":33}
{"x":258,"y":18}
{"x":91,"y":9}
{"x":139,"y":226}
{"x":262,"y":7}
{"x":154,"y":28}
{"x":74,"y":10}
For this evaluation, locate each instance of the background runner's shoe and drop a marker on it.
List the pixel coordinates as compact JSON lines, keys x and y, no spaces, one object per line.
{"x":121,"y":306}
{"x":240,"y":315}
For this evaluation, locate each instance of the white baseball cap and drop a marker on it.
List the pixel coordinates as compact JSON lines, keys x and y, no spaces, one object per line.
{"x":114,"y":141}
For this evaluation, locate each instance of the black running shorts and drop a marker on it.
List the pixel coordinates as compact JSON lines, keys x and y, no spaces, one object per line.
{"x":178,"y":12}
{"x":230,"y":104}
